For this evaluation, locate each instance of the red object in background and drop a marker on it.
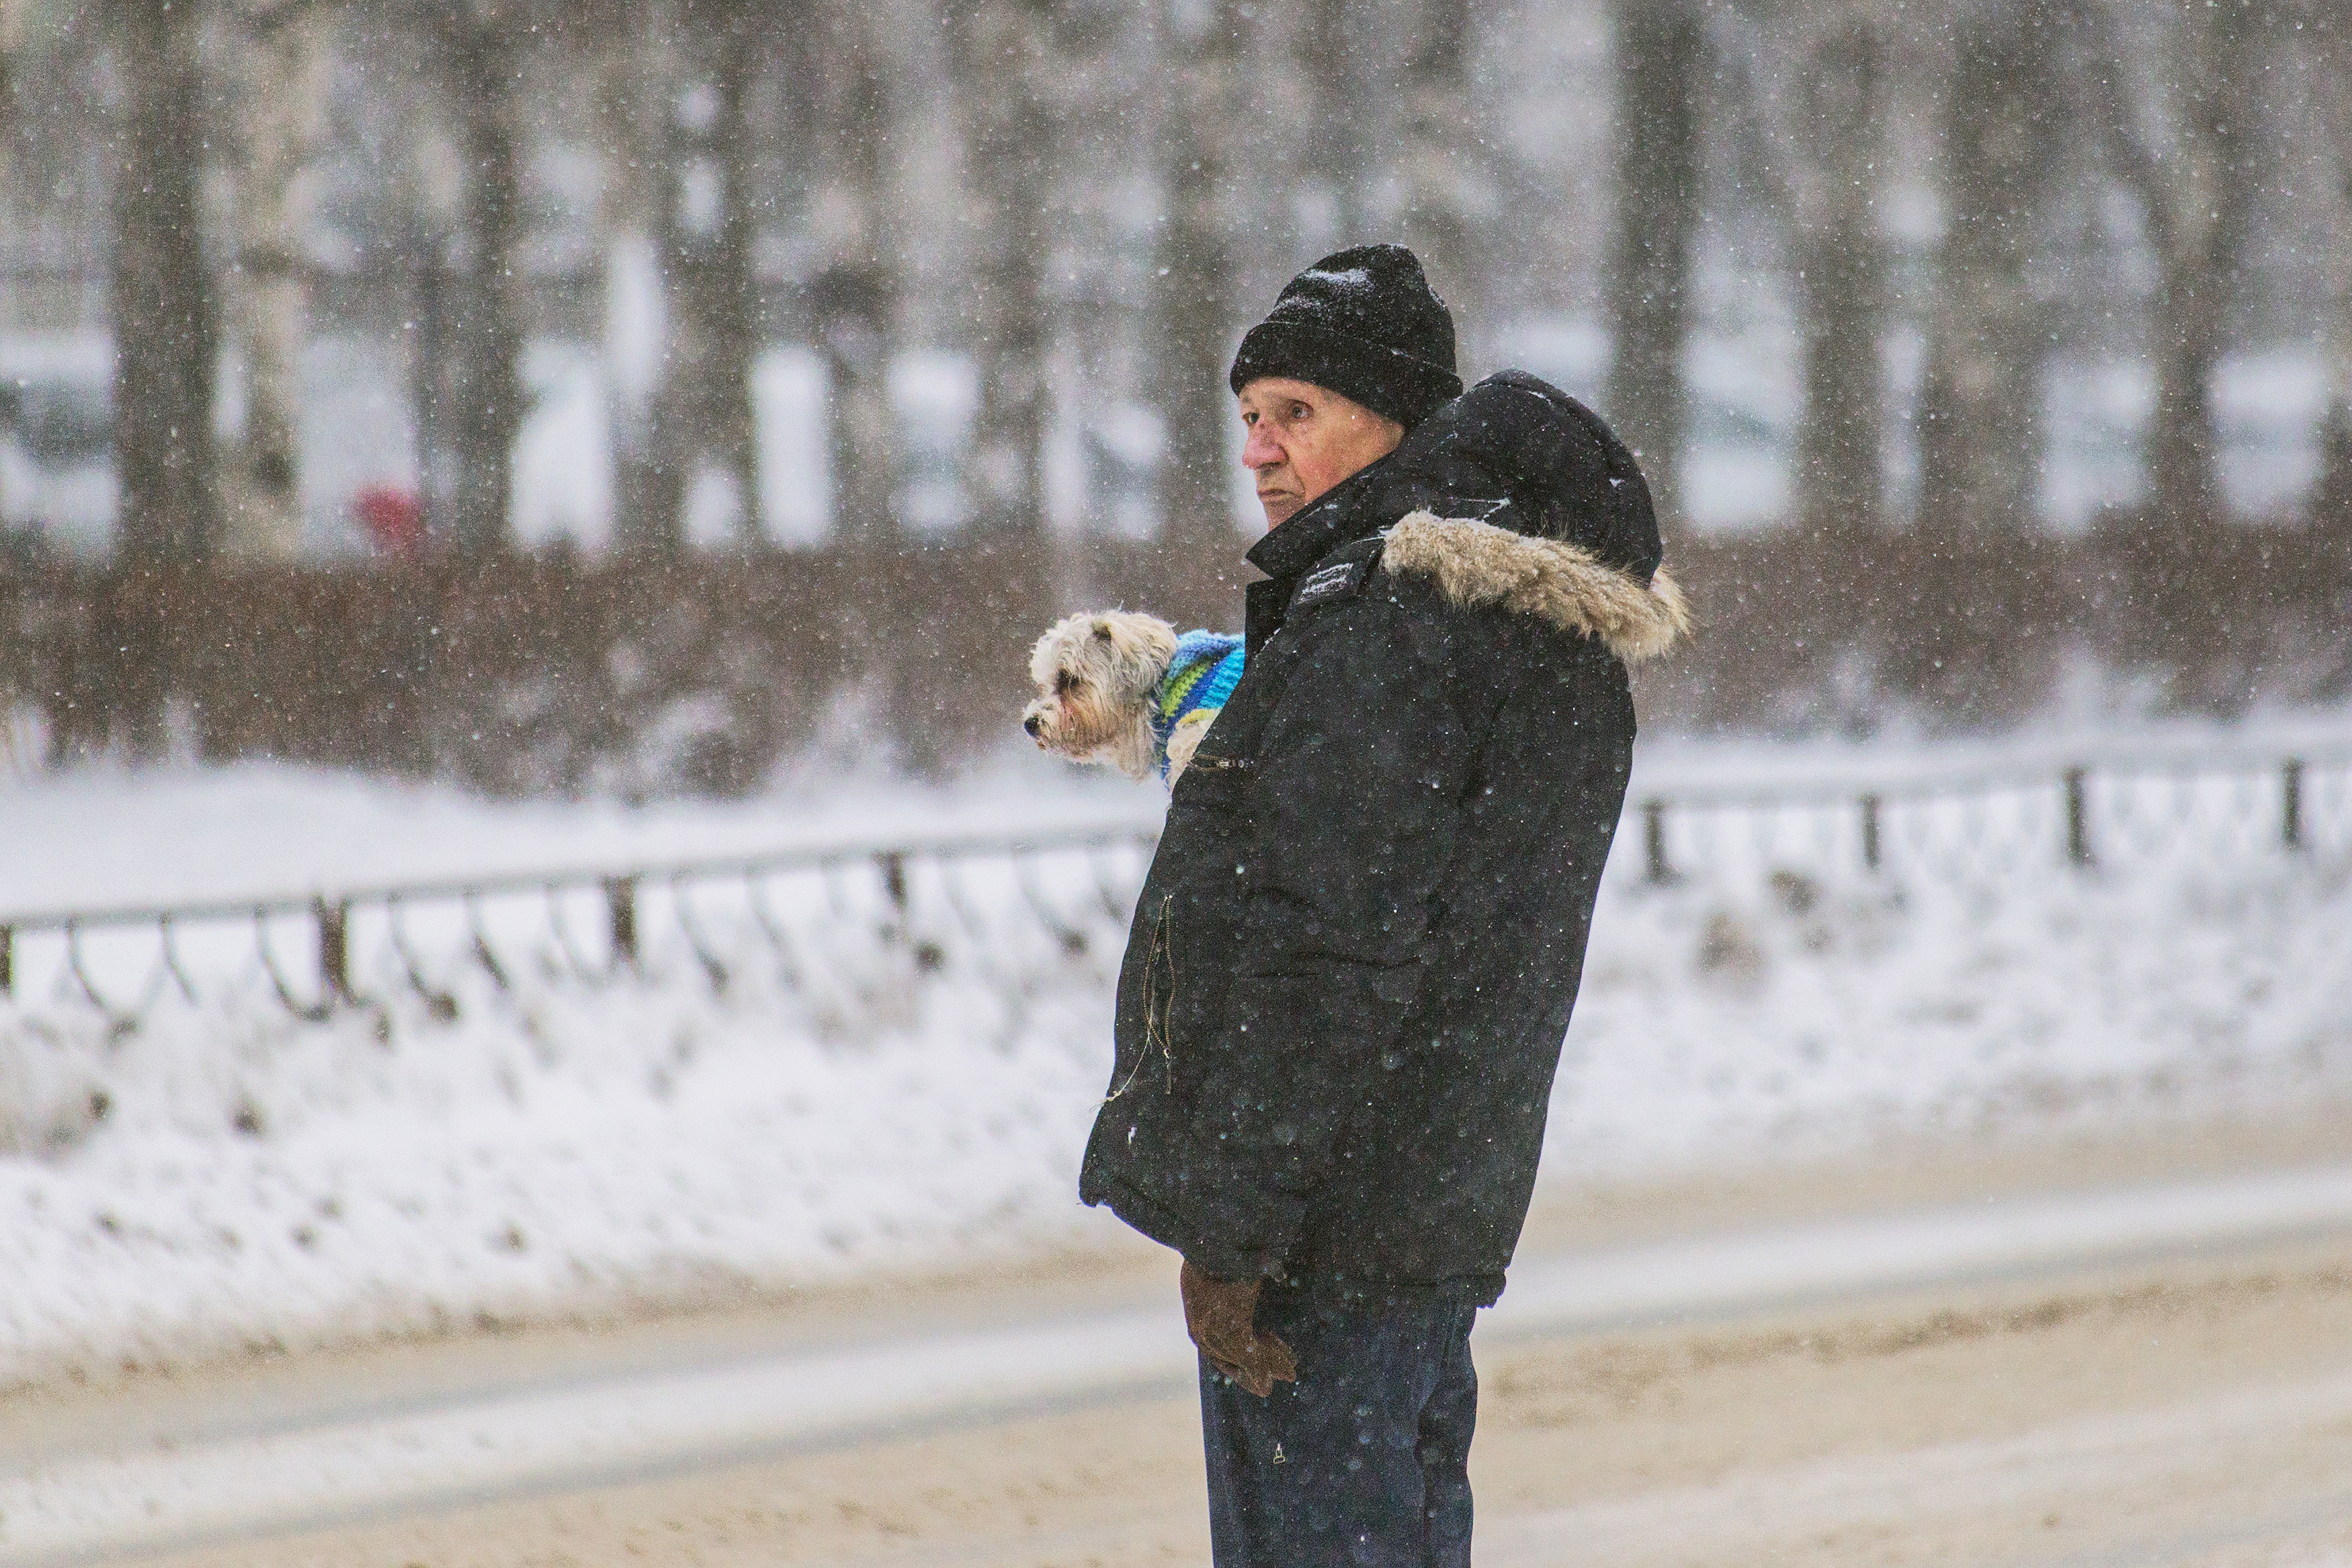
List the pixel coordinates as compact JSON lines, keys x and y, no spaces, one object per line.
{"x":394,"y":518}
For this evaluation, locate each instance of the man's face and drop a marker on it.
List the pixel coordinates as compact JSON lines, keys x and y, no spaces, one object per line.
{"x":1303,"y":439}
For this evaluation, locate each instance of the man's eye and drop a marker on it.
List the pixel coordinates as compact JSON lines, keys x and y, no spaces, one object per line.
{"x":1299,"y":410}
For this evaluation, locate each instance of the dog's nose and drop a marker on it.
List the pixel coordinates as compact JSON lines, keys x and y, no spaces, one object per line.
{"x":1032,"y":722}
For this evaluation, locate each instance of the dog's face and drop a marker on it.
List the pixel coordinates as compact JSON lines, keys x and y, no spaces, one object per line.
{"x":1094,"y":675}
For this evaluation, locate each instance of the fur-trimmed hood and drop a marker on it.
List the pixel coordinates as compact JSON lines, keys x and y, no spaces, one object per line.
{"x":1476,"y":565}
{"x":1514,"y":496}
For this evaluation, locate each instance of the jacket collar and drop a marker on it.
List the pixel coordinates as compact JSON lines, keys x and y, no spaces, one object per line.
{"x":1340,"y":515}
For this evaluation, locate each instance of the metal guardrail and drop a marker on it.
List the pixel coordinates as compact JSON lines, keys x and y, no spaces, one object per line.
{"x":1015,"y":911}
{"x":2076,"y":815}
{"x":619,"y":894}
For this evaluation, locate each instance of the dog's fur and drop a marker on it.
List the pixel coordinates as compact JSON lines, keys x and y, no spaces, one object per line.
{"x":1095,"y":675}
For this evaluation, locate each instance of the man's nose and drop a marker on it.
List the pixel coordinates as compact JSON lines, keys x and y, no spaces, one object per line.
{"x":1260,"y":451}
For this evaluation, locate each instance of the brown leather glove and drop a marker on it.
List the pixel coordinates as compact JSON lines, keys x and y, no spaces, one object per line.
{"x":1221,"y":1315}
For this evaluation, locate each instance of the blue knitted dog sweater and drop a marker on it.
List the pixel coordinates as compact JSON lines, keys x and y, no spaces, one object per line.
{"x":1199,"y":679}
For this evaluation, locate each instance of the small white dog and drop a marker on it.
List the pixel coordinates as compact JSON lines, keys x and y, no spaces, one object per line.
{"x":1120,"y":687}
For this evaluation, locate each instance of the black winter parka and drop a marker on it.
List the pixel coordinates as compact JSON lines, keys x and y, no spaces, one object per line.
{"x":1350,"y":970}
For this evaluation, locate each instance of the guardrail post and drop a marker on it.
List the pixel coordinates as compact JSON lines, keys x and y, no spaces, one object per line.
{"x":1654,"y":841}
{"x":894,"y":879}
{"x":2291,"y":803}
{"x":1870,"y":832}
{"x":8,"y":960}
{"x":334,"y":951}
{"x":2078,"y":817}
{"x":621,"y":906}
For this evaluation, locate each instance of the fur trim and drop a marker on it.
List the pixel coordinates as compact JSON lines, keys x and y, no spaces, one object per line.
{"x":1477,"y":564}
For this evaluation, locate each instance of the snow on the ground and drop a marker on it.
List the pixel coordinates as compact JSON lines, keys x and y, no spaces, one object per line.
{"x":254,"y":1477}
{"x":1719,"y":1017}
{"x":2091,"y":722}
{"x":253,"y":1180}
{"x":102,"y":837}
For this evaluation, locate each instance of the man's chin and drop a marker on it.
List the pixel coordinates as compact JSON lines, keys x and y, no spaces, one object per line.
{"x":1280,"y":509}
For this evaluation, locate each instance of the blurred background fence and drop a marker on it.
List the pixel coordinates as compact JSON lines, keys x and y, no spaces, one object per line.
{"x":844,"y":939}
{"x":599,"y":396}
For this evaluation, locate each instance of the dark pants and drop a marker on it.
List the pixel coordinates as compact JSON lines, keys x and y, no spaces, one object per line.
{"x":1363,"y":1461}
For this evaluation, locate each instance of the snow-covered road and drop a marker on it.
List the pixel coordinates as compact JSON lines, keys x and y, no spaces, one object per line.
{"x":218,"y":1475}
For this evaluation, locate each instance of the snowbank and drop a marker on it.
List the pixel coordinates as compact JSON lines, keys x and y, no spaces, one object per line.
{"x":256,"y":1183}
{"x":1729,"y":1019}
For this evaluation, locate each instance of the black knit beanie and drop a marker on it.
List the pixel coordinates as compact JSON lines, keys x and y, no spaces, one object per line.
{"x":1365,"y":324}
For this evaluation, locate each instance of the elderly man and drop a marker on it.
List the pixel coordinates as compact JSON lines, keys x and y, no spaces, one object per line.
{"x":1351,"y":966}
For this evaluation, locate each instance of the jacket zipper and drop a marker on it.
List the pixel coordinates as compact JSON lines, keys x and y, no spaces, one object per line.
{"x":1221,"y":764}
